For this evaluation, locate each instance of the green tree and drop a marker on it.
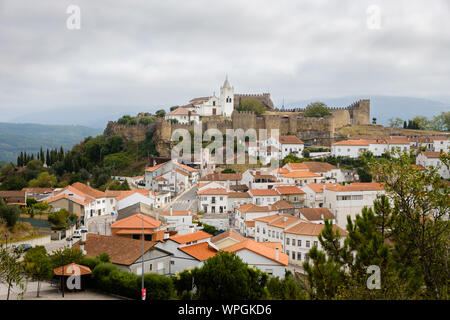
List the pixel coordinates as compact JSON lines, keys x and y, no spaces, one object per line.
{"x":37,"y":265}
{"x":406,"y":235}
{"x":11,"y":271}
{"x":209,"y":229}
{"x":288,"y":288}
{"x":396,"y":123}
{"x":228,"y":170}
{"x":44,"y":180}
{"x":160,"y":113}
{"x":441,"y":122}
{"x":41,"y":207}
{"x":226,"y":277}
{"x":14,"y":183}
{"x":316,"y":110}
{"x":9,"y":214}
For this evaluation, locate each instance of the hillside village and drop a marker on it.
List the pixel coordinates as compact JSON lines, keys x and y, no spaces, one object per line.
{"x":176,"y":215}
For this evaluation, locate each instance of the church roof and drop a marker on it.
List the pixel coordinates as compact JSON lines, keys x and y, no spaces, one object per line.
{"x":226,"y":84}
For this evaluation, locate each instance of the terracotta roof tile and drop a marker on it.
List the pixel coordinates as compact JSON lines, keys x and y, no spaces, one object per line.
{"x":300,"y":174}
{"x":121,"y":250}
{"x":227,"y":234}
{"x":284,"y":190}
{"x":260,"y":249}
{"x":290,"y":140}
{"x":351,"y":143}
{"x":200,"y":251}
{"x":73,"y":267}
{"x":135,"y":222}
{"x":315,"y":214}
{"x":195,"y":236}
{"x":213,"y":191}
{"x":88,"y":190}
{"x":355,"y":186}
{"x":311,"y":229}
{"x":250,"y":207}
{"x":263,"y":192}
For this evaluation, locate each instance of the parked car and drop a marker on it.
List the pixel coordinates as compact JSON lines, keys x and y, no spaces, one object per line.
{"x":83,"y":229}
{"x":76,"y":234}
{"x":24,"y":247}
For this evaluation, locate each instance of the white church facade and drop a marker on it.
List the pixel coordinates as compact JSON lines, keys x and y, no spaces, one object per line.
{"x":206,"y":106}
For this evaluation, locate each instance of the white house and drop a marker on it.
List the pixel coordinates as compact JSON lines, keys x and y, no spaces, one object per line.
{"x":266,"y":258}
{"x":181,"y":260}
{"x":349,"y":200}
{"x":258,"y":179}
{"x":300,"y":178}
{"x":237,"y":199}
{"x":349,"y":148}
{"x":324,"y":169}
{"x":301,"y":237}
{"x":178,"y":220}
{"x":441,"y":144}
{"x":249,"y":212}
{"x":314,"y":194}
{"x":183,"y":115}
{"x":213,"y":200}
{"x":284,"y":146}
{"x":264,"y":197}
{"x":431,"y":159}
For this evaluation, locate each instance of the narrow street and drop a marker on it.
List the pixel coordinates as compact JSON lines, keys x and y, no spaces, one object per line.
{"x":187,"y":201}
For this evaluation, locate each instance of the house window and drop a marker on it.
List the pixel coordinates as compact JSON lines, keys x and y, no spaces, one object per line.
{"x":316,"y":243}
{"x":307,"y":243}
{"x":151,"y":266}
{"x":288,"y":241}
{"x":264,"y":231}
{"x":293,"y":255}
{"x":299,"y":256}
{"x":287,"y":252}
{"x":257,"y":229}
{"x":172,"y":262}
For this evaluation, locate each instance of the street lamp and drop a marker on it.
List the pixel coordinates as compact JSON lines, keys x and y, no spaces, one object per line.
{"x":143,"y":245}
{"x":62,"y":277}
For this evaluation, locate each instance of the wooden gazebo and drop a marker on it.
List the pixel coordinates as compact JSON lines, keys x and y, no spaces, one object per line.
{"x":64,"y":272}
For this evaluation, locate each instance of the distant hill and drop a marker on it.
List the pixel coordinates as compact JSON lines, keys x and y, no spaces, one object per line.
{"x":385,"y":107}
{"x":93,"y":116}
{"x":17,"y":137}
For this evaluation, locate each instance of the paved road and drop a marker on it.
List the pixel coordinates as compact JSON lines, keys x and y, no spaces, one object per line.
{"x":47,"y":292}
{"x":186,"y":201}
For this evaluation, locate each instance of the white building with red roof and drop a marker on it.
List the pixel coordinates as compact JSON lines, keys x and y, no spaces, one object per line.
{"x":349,"y":200}
{"x":432,"y":159}
{"x":183,"y":115}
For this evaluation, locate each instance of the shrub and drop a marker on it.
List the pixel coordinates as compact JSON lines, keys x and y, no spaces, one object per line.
{"x":159,"y":287}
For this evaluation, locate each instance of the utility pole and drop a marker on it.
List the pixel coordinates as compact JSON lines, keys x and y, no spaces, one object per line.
{"x":143,"y":246}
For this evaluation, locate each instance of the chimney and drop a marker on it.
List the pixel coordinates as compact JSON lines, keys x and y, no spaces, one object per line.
{"x":321,"y":216}
{"x":277,"y":254}
{"x":323,"y":188}
{"x":284,"y":219}
{"x":170,"y":211}
{"x":166,"y":235}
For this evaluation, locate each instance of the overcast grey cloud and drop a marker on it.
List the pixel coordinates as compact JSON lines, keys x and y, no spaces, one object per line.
{"x":149,"y":54}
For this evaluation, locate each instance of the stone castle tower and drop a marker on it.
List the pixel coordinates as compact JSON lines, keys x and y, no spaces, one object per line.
{"x":227,"y":98}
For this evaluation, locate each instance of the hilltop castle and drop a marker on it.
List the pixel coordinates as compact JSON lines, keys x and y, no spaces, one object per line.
{"x":220,"y":113}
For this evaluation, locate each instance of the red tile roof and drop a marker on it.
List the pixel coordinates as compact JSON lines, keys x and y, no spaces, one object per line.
{"x":250,"y":207}
{"x":213,"y":191}
{"x":135,"y":222}
{"x":263,"y":192}
{"x":356,"y":186}
{"x":300,"y":174}
{"x":121,"y":250}
{"x":312,"y":229}
{"x":259,"y":249}
{"x":195,"y":236}
{"x":290,"y":140}
{"x":351,"y":143}
{"x":315,"y":214}
{"x":200,"y":251}
{"x":284,"y":190}
{"x":151,"y":169}
{"x":88,"y":190}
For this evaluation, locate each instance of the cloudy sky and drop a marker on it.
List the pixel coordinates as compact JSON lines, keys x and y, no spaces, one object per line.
{"x":162,"y":53}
